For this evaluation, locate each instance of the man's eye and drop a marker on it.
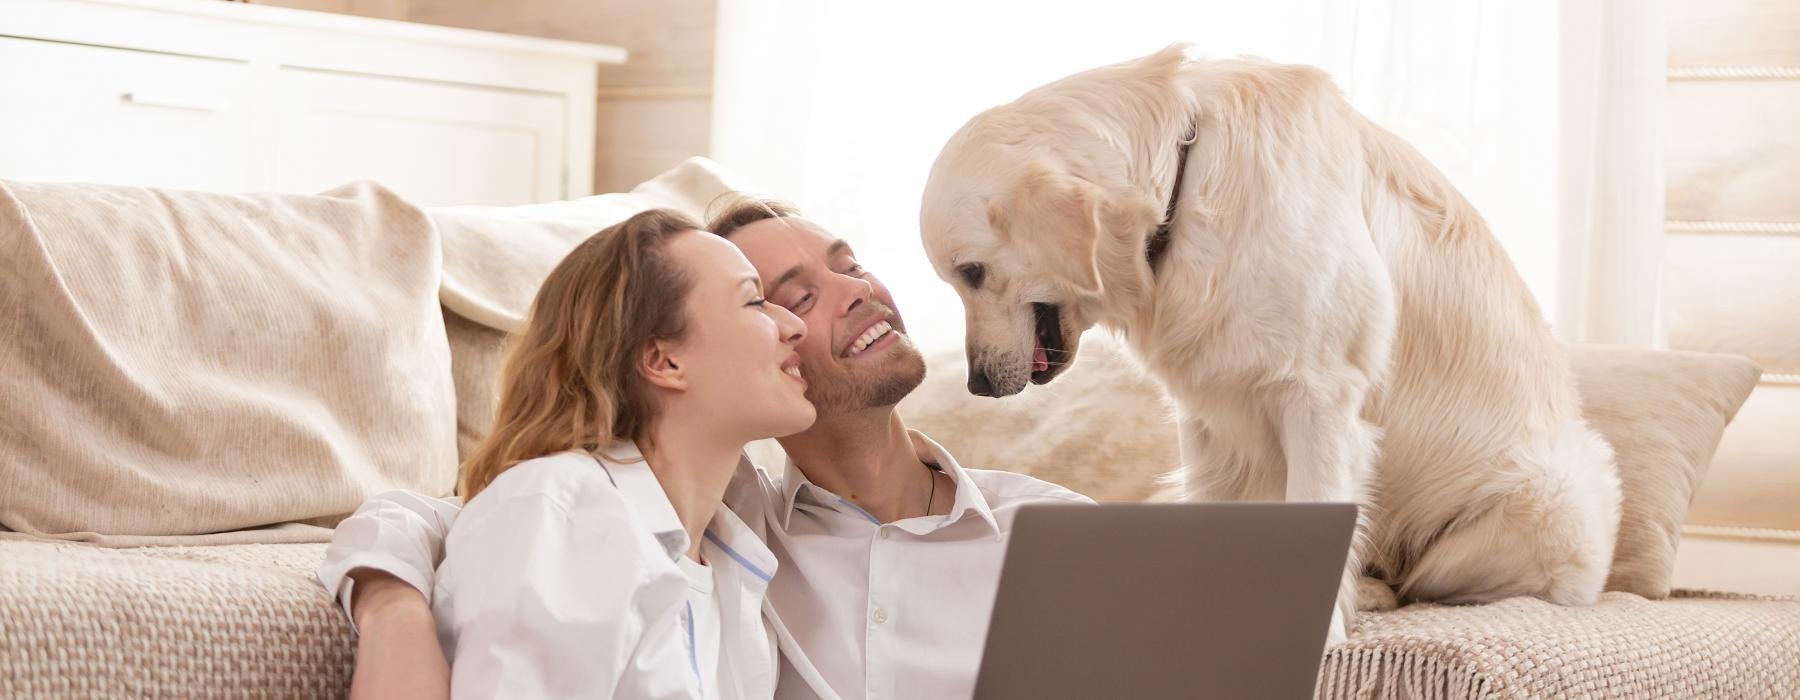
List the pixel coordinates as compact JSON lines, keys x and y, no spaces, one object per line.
{"x":797,"y":303}
{"x":973,"y":274}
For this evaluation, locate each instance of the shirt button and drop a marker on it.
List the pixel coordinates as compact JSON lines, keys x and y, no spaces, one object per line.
{"x":884,"y":533}
{"x":880,"y":616}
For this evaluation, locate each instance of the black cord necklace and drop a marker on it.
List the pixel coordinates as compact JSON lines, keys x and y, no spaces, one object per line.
{"x":933,"y":496}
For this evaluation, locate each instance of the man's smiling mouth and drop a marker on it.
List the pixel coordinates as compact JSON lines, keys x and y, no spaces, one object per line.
{"x":873,"y":335}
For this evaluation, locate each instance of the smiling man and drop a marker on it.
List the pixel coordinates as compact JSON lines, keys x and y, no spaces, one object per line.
{"x":889,"y":550}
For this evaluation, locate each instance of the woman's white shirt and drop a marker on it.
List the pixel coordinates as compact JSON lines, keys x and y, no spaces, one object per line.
{"x":564,"y":579}
{"x":702,"y":621}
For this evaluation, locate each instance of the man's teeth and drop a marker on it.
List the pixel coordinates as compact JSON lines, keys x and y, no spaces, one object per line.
{"x":870,"y":336}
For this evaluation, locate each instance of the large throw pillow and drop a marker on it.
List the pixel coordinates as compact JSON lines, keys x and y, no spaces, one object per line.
{"x":181,"y":363}
{"x":1104,"y":429}
{"x":496,"y":257}
{"x":1663,"y":412}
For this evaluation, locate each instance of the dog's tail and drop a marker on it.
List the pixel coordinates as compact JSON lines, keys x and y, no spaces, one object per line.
{"x":1544,"y":525}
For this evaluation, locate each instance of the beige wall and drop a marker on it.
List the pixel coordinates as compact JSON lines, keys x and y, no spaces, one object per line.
{"x":654,"y":111}
{"x":385,"y":9}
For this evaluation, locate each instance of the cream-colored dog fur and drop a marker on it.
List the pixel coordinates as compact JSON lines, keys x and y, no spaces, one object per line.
{"x":1333,"y":321}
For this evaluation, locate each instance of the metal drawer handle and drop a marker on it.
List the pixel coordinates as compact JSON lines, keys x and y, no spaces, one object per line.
{"x":149,"y":98}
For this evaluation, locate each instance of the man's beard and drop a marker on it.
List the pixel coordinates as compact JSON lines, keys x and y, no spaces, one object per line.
{"x":885,"y":385}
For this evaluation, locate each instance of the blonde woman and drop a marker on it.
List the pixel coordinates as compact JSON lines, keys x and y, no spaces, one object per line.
{"x":593,"y":558}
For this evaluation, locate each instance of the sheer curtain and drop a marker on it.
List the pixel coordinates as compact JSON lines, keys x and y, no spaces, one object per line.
{"x":841,"y":107}
{"x":1615,"y":69}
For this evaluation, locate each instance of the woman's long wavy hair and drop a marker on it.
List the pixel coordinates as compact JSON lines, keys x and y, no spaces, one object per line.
{"x":569,"y":379}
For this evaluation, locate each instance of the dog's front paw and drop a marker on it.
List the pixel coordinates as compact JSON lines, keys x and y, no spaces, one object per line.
{"x":1374,"y":595}
{"x":1338,"y":632}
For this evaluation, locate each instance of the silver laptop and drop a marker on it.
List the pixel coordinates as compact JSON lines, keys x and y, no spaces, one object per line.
{"x":1166,"y":600}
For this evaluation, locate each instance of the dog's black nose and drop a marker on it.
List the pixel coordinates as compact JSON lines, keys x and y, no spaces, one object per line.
{"x":978,"y":382}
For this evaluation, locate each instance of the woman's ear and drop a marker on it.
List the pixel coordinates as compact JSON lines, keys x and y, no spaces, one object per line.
{"x":660,"y":367}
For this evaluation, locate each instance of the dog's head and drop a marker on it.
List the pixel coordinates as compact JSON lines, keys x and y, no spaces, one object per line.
{"x":1034,"y":214}
{"x":1018,"y":233}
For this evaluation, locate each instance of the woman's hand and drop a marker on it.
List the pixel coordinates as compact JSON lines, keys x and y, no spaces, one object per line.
{"x":397,"y":653}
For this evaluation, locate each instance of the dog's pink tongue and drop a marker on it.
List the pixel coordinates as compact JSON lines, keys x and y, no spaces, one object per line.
{"x":1040,"y":360}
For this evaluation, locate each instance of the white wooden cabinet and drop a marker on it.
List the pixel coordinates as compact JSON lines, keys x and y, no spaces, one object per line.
{"x":199,"y":94}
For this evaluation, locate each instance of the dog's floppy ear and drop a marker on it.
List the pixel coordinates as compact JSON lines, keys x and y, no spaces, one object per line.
{"x":1055,"y":224}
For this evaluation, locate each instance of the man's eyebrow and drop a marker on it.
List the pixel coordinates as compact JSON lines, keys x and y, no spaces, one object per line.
{"x":785,"y":278}
{"x":831,"y":251}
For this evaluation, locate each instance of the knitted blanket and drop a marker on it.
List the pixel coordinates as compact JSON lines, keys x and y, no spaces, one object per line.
{"x":1693,"y":645}
{"x":231,"y":621}
{"x":249,"y":620}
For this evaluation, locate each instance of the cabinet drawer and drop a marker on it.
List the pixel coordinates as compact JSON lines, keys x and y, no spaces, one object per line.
{"x":433,"y":143}
{"x":92,"y":114}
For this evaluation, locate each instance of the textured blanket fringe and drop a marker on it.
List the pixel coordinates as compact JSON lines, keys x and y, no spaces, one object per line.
{"x":1396,"y":674}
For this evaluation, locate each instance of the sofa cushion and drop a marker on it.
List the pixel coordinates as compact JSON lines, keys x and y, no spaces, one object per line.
{"x":181,"y":363}
{"x":475,"y":369}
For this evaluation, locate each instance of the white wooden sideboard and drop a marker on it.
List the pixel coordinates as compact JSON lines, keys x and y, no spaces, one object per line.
{"x":211,"y":95}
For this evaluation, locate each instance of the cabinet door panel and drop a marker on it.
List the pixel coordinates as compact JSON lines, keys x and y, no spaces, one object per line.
{"x":434,"y":143}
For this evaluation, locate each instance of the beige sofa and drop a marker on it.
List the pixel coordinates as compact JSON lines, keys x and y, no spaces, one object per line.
{"x":179,"y":612}
{"x":1104,"y":429}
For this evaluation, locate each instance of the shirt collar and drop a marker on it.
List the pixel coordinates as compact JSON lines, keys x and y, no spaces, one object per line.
{"x":625,"y":466}
{"x":969,"y":499}
{"x":792,"y":481}
{"x":729,"y":537}
{"x":726,"y":536}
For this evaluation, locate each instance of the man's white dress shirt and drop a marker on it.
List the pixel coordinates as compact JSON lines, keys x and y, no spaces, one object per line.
{"x":861,"y":609}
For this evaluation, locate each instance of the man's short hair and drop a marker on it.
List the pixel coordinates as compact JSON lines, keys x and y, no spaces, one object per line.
{"x":734,"y":210}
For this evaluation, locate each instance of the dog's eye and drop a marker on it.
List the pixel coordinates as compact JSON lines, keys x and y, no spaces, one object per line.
{"x":972,"y":274}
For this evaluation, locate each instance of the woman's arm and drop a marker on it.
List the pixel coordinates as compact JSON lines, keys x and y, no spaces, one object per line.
{"x":379,"y":568}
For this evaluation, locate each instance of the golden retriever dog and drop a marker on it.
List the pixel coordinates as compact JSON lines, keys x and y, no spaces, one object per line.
{"x":1330,"y":318}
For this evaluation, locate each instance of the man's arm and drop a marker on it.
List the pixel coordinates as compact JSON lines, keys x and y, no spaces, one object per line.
{"x":397,"y":652}
{"x":399,"y":533}
{"x":379,"y":568}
